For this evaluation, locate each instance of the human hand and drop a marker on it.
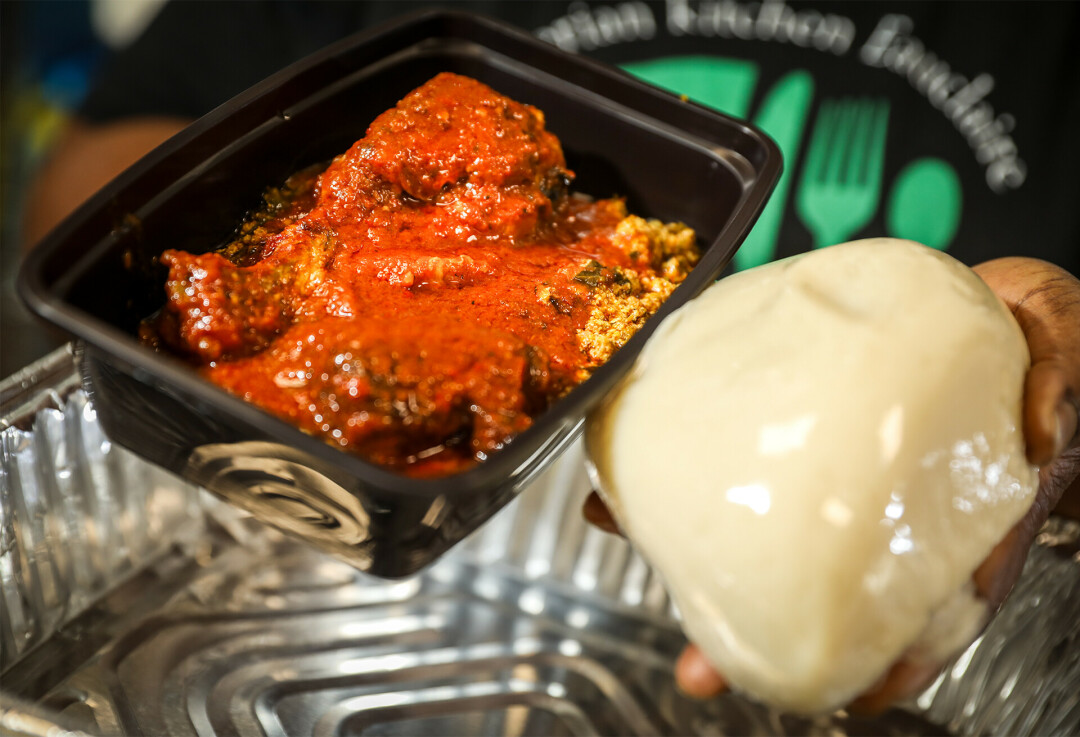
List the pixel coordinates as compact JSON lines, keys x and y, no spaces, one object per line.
{"x":84,"y":159}
{"x":1046,"y":303}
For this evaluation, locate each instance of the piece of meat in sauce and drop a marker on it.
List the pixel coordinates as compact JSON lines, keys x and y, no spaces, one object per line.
{"x":484,"y":160}
{"x":364,"y":384}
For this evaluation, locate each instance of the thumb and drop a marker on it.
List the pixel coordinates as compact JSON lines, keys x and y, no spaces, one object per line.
{"x":1045,"y":299}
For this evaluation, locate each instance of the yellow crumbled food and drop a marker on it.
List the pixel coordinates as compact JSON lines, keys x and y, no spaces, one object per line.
{"x":622,"y":299}
{"x":669,"y":248}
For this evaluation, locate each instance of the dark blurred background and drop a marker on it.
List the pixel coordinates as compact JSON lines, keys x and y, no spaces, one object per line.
{"x":50,"y":51}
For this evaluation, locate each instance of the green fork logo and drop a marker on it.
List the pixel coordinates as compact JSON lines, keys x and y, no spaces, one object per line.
{"x":841,"y":179}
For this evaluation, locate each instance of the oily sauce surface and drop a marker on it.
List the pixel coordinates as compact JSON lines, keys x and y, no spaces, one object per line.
{"x":432,"y":290}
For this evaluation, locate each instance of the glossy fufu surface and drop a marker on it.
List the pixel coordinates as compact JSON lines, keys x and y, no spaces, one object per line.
{"x":816,"y":455}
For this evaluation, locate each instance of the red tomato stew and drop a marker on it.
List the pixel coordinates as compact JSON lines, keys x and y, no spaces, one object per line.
{"x":420,"y":300}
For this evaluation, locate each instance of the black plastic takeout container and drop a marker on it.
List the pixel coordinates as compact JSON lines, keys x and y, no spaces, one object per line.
{"x":97,"y":274}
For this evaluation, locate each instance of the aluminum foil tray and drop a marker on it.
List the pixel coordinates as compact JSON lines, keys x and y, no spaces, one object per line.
{"x":135,"y":604}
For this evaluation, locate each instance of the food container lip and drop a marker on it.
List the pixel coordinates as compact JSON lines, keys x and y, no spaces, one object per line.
{"x":45,"y":301}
